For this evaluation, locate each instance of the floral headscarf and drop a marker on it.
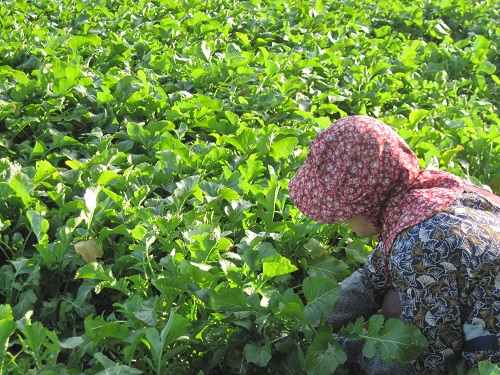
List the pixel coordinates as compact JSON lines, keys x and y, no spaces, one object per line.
{"x":360,"y":166}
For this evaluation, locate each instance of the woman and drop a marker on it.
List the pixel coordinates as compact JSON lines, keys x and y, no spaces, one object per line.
{"x":439,"y":238}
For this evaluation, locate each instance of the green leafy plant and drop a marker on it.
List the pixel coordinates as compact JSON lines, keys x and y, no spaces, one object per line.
{"x":145,"y":152}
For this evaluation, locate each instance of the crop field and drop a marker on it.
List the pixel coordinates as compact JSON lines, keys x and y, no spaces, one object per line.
{"x":145,"y":152}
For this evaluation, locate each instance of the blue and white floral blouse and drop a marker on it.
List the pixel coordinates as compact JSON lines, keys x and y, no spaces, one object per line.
{"x":447,"y":272}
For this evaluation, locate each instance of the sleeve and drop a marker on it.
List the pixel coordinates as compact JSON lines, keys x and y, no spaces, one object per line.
{"x":354,"y":300}
{"x":375,"y":272}
{"x":423,"y":271}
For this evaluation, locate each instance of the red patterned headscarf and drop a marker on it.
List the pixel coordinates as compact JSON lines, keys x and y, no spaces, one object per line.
{"x":361,"y":166}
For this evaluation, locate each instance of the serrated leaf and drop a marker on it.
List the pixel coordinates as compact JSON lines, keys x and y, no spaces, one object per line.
{"x":6,"y":312}
{"x":7,"y":328}
{"x":38,"y":336}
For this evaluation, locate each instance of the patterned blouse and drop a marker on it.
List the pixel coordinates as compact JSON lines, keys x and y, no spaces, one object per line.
{"x":447,"y":272}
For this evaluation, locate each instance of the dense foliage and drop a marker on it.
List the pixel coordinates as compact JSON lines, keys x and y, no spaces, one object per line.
{"x":145,"y":152}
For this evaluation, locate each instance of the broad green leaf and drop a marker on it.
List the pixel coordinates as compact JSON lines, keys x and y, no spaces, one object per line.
{"x":7,"y":328}
{"x":481,"y":43}
{"x":23,"y":186}
{"x":78,"y":41}
{"x":277,"y":265}
{"x":408,"y":57}
{"x":449,"y":154}
{"x":6,"y":312}
{"x":94,"y":271}
{"x":147,"y":315}
{"x":229,"y":194}
{"x":324,"y":355}
{"x":230,"y":300}
{"x":488,"y":368}
{"x":62,"y":85}
{"x":155,"y":345}
{"x":39,"y":225}
{"x":64,"y":141}
{"x":108,"y":176}
{"x":395,"y":340}
{"x":175,"y":328}
{"x":112,"y":368}
{"x":328,"y":267}
{"x":139,"y":232}
{"x":283,"y":148}
{"x":44,"y":170}
{"x":320,"y":295}
{"x":25,"y":303}
{"x":257,"y":353}
{"x":138,"y":133}
{"x":252,"y":168}
{"x":416,"y":116}
{"x":315,"y":248}
{"x":319,"y":7}
{"x":487,"y":68}
{"x":98,"y":329}
{"x":293,"y":310}
{"x":39,"y":337}
{"x":72,"y":342}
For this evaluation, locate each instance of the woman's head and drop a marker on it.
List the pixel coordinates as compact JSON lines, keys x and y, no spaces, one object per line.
{"x":351,"y":169}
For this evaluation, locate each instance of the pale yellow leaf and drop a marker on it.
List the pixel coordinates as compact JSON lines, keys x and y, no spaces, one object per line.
{"x":88,"y":250}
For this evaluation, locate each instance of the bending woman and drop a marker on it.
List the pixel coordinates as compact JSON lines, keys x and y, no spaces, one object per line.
{"x":439,"y":239}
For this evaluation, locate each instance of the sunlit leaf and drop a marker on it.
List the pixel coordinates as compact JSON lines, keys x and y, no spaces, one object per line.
{"x":277,"y":265}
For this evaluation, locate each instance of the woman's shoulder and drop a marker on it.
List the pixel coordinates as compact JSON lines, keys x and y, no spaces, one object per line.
{"x":483,"y":194}
{"x":471,"y":215}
